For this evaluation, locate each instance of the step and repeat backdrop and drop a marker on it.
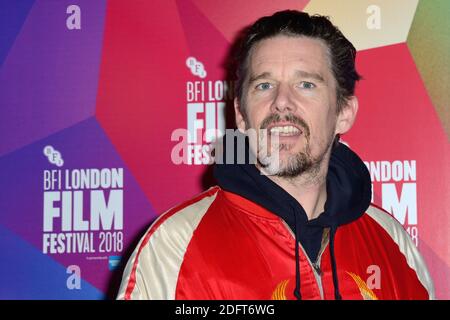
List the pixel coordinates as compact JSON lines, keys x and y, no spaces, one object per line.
{"x":95,"y":97}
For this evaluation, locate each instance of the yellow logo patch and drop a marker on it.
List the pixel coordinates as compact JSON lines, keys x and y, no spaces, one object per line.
{"x":366,"y":292}
{"x":280,"y":291}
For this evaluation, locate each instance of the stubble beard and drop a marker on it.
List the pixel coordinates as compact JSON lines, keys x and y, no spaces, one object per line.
{"x":302,"y":163}
{"x":291,"y":167}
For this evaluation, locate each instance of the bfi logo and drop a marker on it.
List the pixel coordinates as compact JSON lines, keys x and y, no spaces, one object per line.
{"x":205,"y":103}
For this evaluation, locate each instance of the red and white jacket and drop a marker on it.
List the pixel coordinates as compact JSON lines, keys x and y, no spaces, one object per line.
{"x":250,"y":255}
{"x":221,"y":245}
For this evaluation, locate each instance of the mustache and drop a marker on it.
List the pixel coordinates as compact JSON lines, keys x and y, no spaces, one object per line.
{"x":275,"y":117}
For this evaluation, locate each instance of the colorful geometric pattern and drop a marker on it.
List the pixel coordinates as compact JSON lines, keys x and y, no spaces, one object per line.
{"x":368,"y":24}
{"x":429,"y":42}
{"x":110,"y":95}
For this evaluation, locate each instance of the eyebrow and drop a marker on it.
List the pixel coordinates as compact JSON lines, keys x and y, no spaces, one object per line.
{"x":300,"y":73}
{"x":263,"y":75}
{"x":310,"y":75}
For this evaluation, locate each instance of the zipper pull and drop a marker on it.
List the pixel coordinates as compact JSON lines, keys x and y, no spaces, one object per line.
{"x":317,"y":268}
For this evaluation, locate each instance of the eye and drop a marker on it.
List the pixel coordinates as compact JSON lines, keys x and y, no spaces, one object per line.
{"x":307,"y":85}
{"x":263,"y":86}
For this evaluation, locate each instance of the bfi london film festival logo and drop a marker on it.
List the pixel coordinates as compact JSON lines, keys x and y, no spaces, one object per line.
{"x":395,"y":182}
{"x":205,"y":106}
{"x":83,"y":212}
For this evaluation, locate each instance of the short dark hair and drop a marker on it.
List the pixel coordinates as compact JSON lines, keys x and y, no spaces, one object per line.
{"x":295,"y":23}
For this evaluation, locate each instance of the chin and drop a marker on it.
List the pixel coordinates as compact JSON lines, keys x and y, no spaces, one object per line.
{"x":287,"y":166}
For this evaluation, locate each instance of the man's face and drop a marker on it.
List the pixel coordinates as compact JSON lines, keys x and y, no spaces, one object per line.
{"x":291,"y":92}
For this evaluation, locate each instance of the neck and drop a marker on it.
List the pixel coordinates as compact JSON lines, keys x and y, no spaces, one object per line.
{"x":309,"y":189}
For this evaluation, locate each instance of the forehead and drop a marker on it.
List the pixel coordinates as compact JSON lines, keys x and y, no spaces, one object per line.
{"x":304,"y":52}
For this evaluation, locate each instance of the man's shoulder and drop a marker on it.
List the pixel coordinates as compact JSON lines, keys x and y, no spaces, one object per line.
{"x":187,"y":214}
{"x":391,"y":227}
{"x":195,"y":200}
{"x":405,"y":244}
{"x":384,"y":219}
{"x":198,"y":202}
{"x":160,"y":253}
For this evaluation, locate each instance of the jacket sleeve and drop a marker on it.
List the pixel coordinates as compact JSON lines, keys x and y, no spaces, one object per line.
{"x":152,"y":270}
{"x":415,"y":260}
{"x":406,"y":246}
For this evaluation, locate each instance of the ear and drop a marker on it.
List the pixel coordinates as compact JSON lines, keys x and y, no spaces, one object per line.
{"x":240,"y":122}
{"x":347,"y":116}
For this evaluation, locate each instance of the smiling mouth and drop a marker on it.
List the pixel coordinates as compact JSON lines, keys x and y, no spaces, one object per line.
{"x":284,"y":130}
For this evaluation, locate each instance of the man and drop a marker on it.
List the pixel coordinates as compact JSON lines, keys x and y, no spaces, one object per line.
{"x":295,"y":226}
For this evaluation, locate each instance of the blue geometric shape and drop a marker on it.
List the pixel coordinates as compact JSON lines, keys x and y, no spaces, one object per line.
{"x":12,"y":16}
{"x":49,"y":79}
{"x":27,"y":273}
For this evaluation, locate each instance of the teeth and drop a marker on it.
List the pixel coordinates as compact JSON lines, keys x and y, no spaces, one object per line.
{"x":284,"y":130}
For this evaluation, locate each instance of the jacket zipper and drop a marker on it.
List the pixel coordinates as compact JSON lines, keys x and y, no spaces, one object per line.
{"x":315,"y":266}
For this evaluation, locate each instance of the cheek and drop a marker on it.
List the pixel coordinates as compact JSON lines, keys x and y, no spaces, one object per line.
{"x":322,"y":129}
{"x":258,"y":108}
{"x":254,"y":119}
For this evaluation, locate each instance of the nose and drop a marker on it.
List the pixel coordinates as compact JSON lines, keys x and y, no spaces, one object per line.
{"x":282,"y":101}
